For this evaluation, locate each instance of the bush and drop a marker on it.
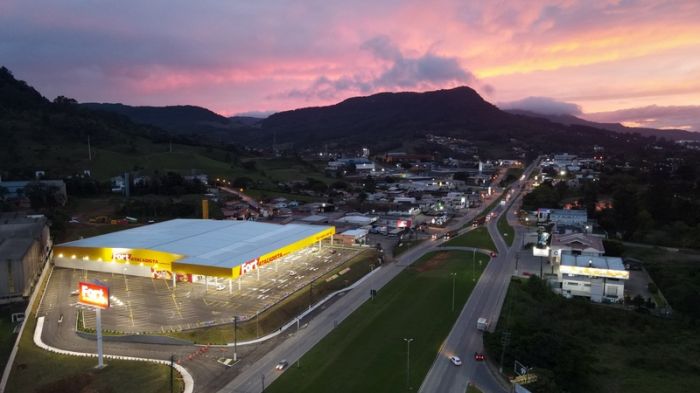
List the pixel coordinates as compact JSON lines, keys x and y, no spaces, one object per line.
{"x":652,"y":288}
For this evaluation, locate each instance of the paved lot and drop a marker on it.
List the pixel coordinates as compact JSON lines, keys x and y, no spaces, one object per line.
{"x":150,"y":305}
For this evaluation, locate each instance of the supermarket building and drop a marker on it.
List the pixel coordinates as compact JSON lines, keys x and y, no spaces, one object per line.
{"x":190,"y":249}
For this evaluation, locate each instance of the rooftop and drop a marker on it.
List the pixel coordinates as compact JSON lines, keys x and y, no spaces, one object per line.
{"x":206,"y":242}
{"x":606,"y":263}
{"x":585,"y":241}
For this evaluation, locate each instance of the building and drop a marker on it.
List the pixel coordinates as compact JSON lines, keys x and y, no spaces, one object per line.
{"x":563,"y":216}
{"x":352,"y":237}
{"x":16,"y":190}
{"x":25,"y":246}
{"x":190,"y":249}
{"x":602,"y":279}
{"x":575,"y":244}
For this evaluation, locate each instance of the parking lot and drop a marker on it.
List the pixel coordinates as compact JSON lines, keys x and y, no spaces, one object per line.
{"x":140,"y":305}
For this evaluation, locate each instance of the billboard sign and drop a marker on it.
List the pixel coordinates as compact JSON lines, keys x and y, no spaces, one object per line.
{"x":93,"y":295}
{"x":594,"y":272}
{"x":540,"y":252}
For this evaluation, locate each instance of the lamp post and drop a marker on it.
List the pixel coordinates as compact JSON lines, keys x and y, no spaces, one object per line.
{"x":235,"y":338}
{"x":454,"y":275}
{"x":474,"y":265}
{"x":408,"y":362}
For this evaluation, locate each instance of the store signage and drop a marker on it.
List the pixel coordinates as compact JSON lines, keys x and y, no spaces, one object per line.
{"x":594,"y":272}
{"x":93,"y":295}
{"x":249,"y":266}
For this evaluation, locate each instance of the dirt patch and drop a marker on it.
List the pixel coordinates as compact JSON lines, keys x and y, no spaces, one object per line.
{"x":433,"y":263}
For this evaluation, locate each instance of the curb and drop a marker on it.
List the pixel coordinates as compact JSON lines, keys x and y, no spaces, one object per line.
{"x":186,"y":376}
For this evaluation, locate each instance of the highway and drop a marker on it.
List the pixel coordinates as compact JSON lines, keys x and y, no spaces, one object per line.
{"x":485,"y":300}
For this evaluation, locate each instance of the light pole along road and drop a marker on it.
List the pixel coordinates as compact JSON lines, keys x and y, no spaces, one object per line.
{"x":248,"y":381}
{"x":486,"y":301}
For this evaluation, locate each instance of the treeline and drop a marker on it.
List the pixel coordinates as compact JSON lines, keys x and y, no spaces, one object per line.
{"x":653,"y":201}
{"x":576,"y":346}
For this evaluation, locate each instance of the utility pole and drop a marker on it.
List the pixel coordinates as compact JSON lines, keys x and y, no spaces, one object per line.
{"x":172,"y":384}
{"x":505,"y":339}
{"x":454,"y":275}
{"x":541,"y":262}
{"x":235,"y":338}
{"x":89,"y":150}
{"x":474,"y":265}
{"x":262,"y":379}
{"x":408,"y":362}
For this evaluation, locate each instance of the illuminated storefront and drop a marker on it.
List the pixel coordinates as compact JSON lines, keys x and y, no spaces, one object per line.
{"x":188,"y":248}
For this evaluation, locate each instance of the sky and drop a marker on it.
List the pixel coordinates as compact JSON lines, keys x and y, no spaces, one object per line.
{"x":636,"y":62}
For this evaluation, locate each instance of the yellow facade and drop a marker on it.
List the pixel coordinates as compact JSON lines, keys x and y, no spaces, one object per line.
{"x":163,"y":261}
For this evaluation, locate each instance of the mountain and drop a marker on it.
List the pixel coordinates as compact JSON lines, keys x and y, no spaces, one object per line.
{"x":179,"y":118}
{"x":389,"y":112}
{"x":387,"y":120}
{"x":615,"y":127}
{"x":246,"y":120}
{"x":64,"y":138}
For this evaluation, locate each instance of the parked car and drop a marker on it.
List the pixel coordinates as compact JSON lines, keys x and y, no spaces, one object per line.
{"x":281,"y":365}
{"x":456,"y":360}
{"x":220,"y":287}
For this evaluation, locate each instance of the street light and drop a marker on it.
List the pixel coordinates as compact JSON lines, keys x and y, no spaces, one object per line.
{"x":454,"y":275}
{"x":408,"y":362}
{"x":474,"y":265}
{"x":235,"y":337}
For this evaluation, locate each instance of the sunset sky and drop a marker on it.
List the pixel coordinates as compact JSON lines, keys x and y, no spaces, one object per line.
{"x":636,"y":62}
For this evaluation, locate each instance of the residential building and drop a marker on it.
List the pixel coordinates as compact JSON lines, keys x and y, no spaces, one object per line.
{"x":575,"y":244}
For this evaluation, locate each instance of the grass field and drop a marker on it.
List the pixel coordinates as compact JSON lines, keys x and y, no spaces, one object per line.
{"x":406,"y":245}
{"x":39,"y":371}
{"x":478,"y":238}
{"x":506,"y":230}
{"x":7,"y":338}
{"x":278,"y":315}
{"x":367,"y":353}
{"x":677,"y":275}
{"x":578,"y":346}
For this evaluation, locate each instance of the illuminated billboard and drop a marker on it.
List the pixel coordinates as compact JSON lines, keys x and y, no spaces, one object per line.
{"x":594,"y":272}
{"x":93,"y":295}
{"x":540,"y":252}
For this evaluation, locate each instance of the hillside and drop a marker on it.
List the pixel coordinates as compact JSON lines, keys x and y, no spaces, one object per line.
{"x":182,"y":119}
{"x":389,"y":120}
{"x":615,"y":127}
{"x":38,"y":134}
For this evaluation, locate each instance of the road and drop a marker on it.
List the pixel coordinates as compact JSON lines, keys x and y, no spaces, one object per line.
{"x":485,"y":300}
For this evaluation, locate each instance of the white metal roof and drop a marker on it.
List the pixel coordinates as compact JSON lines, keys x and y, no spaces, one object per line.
{"x":224,"y":243}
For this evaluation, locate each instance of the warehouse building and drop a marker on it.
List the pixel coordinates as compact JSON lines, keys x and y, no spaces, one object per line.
{"x":190,"y":249}
{"x":25,"y":246}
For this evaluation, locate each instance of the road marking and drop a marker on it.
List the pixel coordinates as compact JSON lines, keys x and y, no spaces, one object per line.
{"x":177,"y":307}
{"x":131,"y":314}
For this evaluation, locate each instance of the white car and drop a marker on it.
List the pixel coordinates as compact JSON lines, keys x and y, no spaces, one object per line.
{"x":456,"y":360}
{"x":281,"y":365}
{"x":220,"y":287}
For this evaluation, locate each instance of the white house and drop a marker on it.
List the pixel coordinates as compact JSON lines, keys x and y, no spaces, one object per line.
{"x":596,"y":277}
{"x":575,"y":244}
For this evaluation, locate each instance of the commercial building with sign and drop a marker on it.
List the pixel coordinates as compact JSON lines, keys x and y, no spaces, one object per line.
{"x":190,"y":249}
{"x":596,"y":277}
